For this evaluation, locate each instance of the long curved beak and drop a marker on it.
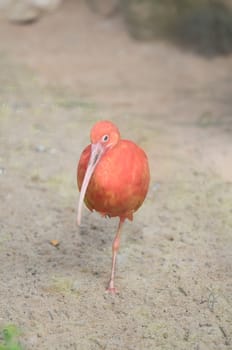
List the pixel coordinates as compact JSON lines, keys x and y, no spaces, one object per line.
{"x":96,"y":153}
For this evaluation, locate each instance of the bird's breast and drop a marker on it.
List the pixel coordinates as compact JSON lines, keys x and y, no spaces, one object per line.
{"x":120,"y":180}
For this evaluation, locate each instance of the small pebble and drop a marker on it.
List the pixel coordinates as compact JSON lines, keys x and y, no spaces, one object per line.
{"x":40,"y":148}
{"x":52,"y":151}
{"x":2,"y":170}
{"x":54,"y":242}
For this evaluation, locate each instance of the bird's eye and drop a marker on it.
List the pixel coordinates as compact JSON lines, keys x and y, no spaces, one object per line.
{"x":105,"y":138}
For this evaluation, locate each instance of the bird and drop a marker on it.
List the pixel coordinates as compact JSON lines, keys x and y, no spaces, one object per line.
{"x":113,"y":179}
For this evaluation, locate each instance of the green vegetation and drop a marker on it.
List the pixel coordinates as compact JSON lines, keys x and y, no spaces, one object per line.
{"x":9,"y":337}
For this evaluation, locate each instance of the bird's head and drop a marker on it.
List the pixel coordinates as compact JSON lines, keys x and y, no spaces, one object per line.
{"x":104,"y":135}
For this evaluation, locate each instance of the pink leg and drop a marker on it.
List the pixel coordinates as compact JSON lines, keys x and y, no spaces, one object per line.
{"x":111,"y":288}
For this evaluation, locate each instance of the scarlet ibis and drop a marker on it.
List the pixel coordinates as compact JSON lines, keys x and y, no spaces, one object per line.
{"x":113,"y":178}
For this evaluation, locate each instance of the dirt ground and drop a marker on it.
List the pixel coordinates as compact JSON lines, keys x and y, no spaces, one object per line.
{"x":57,"y":77}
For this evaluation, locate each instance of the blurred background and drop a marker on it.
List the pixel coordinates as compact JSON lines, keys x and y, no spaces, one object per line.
{"x":201,"y":25}
{"x":161,"y":71}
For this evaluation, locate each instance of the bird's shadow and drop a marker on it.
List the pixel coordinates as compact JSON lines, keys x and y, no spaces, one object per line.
{"x":81,"y":249}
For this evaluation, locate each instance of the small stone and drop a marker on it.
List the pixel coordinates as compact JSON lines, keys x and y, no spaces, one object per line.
{"x":40,"y":148}
{"x":2,"y":170}
{"x":52,"y":151}
{"x":55,"y":243}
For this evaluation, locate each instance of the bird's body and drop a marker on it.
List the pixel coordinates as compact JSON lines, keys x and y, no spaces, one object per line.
{"x":116,"y":190}
{"x":113,"y":177}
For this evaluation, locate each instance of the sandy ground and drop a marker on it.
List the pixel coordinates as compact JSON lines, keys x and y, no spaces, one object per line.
{"x":57,"y":77}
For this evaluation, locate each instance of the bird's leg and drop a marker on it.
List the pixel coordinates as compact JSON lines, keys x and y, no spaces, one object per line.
{"x":115,"y":247}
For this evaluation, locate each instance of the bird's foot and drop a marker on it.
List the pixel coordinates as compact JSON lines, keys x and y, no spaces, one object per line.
{"x":111,"y":288}
{"x":112,"y":291}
